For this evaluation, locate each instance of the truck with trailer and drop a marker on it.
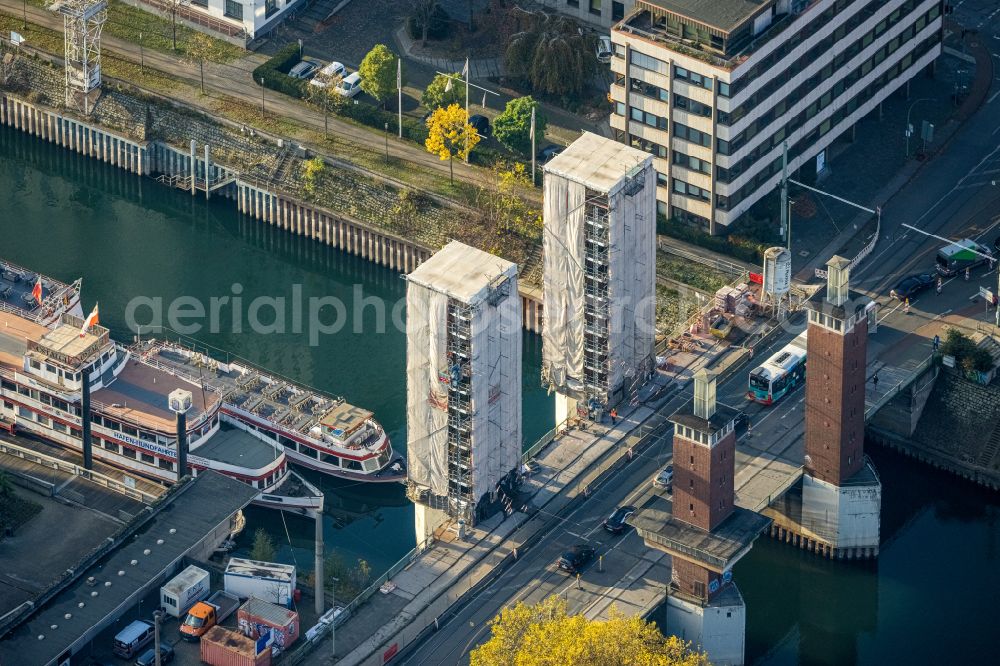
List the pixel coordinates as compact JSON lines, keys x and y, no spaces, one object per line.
{"x":184,"y":590}
{"x":206,"y":614}
{"x":269,"y":581}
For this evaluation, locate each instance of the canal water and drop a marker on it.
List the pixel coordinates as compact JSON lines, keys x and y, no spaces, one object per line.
{"x":935,"y":581}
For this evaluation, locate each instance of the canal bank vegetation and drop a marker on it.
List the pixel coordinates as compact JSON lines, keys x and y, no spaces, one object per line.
{"x":545,"y":634}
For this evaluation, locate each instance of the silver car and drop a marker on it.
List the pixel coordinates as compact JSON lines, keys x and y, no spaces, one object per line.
{"x":665,"y":478}
{"x":304,"y":69}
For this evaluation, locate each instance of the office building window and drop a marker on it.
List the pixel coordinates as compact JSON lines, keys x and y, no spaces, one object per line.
{"x":693,"y":78}
{"x":595,"y":7}
{"x":646,"y":62}
{"x":234,"y":10}
{"x":617,"y":11}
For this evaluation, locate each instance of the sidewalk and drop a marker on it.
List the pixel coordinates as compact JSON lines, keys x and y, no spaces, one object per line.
{"x":847,"y":242}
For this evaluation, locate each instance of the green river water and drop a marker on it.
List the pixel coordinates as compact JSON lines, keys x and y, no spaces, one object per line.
{"x":927,"y":599}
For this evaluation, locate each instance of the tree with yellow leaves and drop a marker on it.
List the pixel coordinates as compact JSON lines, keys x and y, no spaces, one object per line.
{"x":450,"y":135}
{"x":545,"y":634}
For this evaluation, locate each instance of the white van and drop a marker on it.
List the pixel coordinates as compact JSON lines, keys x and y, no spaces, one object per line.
{"x":132,"y":638}
{"x":327,"y":74}
{"x":351,"y":85}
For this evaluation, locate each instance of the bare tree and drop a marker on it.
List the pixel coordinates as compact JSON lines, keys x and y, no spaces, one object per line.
{"x":172,"y":7}
{"x":422,"y":11}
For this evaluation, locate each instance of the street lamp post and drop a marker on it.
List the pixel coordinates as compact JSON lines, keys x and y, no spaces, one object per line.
{"x":909,"y":128}
{"x":262,"y":97}
{"x":157,"y":618}
{"x":387,"y":143}
{"x":142,"y":55}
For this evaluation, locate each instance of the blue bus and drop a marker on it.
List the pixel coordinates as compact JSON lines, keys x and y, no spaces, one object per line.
{"x":780,"y":374}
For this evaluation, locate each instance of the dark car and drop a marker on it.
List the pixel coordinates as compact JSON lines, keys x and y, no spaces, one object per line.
{"x":616,"y":521}
{"x":996,"y":245}
{"x":548,"y":152}
{"x":576,"y":558}
{"x":482,"y":125}
{"x":148,"y":658}
{"x":910,"y":286}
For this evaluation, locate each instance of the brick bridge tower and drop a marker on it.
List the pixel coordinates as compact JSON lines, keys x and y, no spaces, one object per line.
{"x":702,"y":529}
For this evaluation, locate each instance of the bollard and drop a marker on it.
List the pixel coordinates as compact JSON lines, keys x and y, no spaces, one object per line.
{"x":515,"y":553}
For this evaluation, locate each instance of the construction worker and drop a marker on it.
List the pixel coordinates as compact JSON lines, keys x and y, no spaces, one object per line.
{"x":614,"y":415}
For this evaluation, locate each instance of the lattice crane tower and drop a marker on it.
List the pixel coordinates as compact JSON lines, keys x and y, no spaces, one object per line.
{"x":83,"y":21}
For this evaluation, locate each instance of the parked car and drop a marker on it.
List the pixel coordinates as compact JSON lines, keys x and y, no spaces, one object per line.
{"x":351,"y":85}
{"x":576,"y":558}
{"x":548,"y":152}
{"x":616,"y":521}
{"x":304,"y":70}
{"x":148,"y":658}
{"x":604,"y":51}
{"x":665,"y":478}
{"x":910,"y":286}
{"x":327,"y":74}
{"x":996,"y":245}
{"x":482,"y":125}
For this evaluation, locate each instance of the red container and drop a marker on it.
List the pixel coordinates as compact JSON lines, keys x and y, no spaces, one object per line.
{"x":224,"y":647}
{"x":257,"y":616}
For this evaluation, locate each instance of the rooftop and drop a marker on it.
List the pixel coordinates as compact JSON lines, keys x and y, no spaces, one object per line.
{"x":140,"y":394}
{"x":722,"y":417}
{"x":855,"y":301}
{"x":68,"y":340}
{"x":344,"y":418}
{"x":15,"y":331}
{"x":723,"y":15}
{"x":236,"y":447}
{"x":716,"y":550}
{"x":462,"y":272}
{"x":243,"y":567}
{"x":188,"y":516}
{"x":597,"y":162}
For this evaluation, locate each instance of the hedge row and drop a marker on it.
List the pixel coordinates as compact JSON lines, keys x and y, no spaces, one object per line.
{"x":274,"y":72}
{"x":740,"y":248}
{"x":366,"y":114}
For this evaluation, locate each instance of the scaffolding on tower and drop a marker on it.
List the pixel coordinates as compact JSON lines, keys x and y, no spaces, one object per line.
{"x":83,"y":21}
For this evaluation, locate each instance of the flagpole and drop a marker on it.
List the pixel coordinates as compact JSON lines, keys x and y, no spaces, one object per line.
{"x":532,"y":146}
{"x":399,"y":89}
{"x":467,"y":72}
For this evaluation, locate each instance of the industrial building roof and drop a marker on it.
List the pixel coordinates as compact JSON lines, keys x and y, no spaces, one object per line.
{"x":716,"y":550}
{"x":597,"y":162}
{"x":240,"y":566}
{"x":724,"y":15}
{"x":462,"y":272}
{"x":188,"y":516}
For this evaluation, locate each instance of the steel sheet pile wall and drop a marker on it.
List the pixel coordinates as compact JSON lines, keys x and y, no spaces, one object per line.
{"x":563,"y":293}
{"x":427,"y":388}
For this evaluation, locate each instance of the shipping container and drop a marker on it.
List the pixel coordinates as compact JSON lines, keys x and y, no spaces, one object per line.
{"x":184,"y":590}
{"x":265,"y":580}
{"x":257,"y":617}
{"x":224,"y":647}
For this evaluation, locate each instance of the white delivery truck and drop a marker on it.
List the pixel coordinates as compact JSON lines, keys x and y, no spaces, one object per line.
{"x":184,"y":590}
{"x":265,"y":580}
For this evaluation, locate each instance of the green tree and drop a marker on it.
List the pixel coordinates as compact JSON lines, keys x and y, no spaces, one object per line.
{"x":512,"y":128}
{"x":312,"y":172}
{"x":450,"y":135}
{"x":6,"y":487}
{"x":552,"y":56}
{"x":378,"y":72}
{"x":444,"y":90}
{"x":501,"y":205}
{"x":200,"y":48}
{"x":263,"y":546}
{"x":545,"y":634}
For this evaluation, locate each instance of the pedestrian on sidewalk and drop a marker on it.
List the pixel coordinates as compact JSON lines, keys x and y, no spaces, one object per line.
{"x":937,"y":342}
{"x":939,"y":284}
{"x":875,"y":382}
{"x":614,"y":415}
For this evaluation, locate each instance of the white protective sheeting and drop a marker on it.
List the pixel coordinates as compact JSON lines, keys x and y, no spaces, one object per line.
{"x":427,"y":388}
{"x":563,"y":294}
{"x":496,"y":390}
{"x":632,"y":274}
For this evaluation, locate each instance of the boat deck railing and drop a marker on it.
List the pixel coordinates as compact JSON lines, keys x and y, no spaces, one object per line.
{"x":242,"y":386}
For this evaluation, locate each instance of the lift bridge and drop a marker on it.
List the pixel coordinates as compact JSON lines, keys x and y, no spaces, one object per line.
{"x":83,"y":21}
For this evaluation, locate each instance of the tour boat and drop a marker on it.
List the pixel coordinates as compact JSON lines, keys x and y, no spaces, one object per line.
{"x":42,"y":375}
{"x":317,"y":431}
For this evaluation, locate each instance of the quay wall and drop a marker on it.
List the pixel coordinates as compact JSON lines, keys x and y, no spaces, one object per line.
{"x":256,"y":200}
